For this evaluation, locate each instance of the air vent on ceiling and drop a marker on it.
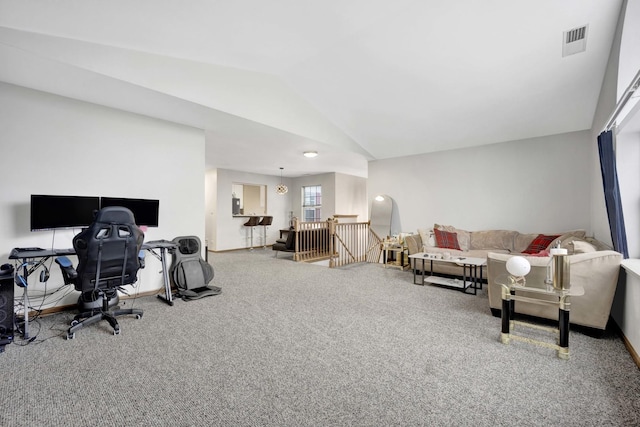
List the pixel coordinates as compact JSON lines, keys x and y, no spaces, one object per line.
{"x":574,"y":41}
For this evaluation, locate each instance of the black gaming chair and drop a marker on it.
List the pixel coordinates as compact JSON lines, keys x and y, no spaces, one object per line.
{"x":109,"y":256}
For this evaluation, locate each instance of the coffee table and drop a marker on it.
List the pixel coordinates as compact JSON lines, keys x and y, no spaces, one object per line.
{"x":471,"y":272}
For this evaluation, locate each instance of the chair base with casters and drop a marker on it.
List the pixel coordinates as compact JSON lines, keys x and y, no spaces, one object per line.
{"x":95,"y":308}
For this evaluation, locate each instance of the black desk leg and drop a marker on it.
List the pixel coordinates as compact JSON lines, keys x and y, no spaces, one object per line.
{"x":168,"y":297}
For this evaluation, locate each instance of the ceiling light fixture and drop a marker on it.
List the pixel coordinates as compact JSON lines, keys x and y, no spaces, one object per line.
{"x":310,"y":154}
{"x":281,"y":188}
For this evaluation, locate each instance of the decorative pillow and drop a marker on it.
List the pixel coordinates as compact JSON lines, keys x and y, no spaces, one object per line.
{"x":566,"y":239}
{"x":445,"y":239}
{"x":426,"y":234}
{"x":582,"y":247}
{"x":540,"y":243}
{"x":464,"y":237}
{"x":542,"y":253}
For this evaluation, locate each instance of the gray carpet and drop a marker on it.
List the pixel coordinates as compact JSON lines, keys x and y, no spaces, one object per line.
{"x":292,"y":344}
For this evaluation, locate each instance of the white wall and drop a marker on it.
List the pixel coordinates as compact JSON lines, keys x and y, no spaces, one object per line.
{"x":535,"y":185}
{"x":351,"y":196}
{"x":55,"y":145}
{"x":626,"y":302}
{"x":211,"y":217}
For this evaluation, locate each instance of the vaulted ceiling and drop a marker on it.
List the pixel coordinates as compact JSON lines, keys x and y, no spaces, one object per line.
{"x":355,"y":80}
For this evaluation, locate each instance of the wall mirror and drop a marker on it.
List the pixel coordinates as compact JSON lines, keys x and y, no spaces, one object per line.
{"x":248,"y":199}
{"x":381,"y":210}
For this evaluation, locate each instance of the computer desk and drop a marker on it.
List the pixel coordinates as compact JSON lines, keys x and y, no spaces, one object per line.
{"x":32,"y":260}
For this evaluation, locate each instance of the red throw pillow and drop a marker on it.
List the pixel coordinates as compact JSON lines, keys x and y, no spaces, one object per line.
{"x":445,"y":239}
{"x":540,"y":243}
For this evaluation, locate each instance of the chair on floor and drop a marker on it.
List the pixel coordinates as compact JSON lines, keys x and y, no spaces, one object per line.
{"x":252,"y":223}
{"x":109,"y":257}
{"x":189,"y":272}
{"x":264,"y":222}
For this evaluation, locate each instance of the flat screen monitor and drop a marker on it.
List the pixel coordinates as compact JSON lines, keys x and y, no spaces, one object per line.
{"x":145,"y":211}
{"x":51,"y":212}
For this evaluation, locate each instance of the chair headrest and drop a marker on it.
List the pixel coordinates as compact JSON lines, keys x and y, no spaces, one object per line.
{"x":115,"y":215}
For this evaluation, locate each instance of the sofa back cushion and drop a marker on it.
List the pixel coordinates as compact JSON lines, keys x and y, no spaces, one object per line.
{"x":493,"y":239}
{"x":522,"y":241}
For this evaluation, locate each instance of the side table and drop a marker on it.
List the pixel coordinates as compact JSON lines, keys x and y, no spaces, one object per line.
{"x":399,"y":257}
{"x":561,"y":300}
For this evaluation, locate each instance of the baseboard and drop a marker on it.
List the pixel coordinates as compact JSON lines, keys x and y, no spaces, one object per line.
{"x":60,"y":308}
{"x":632,"y":351}
{"x":237,"y":249}
{"x":627,"y":344}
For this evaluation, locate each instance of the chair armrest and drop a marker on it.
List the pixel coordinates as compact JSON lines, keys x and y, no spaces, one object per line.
{"x":414,"y":243}
{"x":69,"y":274}
{"x":141,"y":256}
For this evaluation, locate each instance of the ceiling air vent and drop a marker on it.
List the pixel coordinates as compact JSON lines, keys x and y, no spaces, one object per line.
{"x":574,"y":41}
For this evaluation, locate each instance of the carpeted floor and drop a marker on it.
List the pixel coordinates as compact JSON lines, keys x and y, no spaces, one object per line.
{"x":293,"y":344}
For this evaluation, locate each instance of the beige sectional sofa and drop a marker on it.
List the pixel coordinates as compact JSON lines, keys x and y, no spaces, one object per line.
{"x":592,"y":265}
{"x":480,"y":243}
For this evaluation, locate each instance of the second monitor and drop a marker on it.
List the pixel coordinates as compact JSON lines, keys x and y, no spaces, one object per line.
{"x":145,"y":211}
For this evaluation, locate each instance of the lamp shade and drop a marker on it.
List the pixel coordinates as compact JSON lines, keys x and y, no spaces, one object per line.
{"x":281,"y":188}
{"x":518,"y":266}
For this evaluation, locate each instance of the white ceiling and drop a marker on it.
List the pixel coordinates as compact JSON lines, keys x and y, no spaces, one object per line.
{"x":355,"y":80}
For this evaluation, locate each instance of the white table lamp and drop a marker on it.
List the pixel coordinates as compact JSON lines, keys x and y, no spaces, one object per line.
{"x":518,"y":267}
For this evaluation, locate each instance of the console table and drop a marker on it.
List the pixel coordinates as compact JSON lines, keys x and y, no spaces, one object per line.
{"x":560,"y":298}
{"x":471,"y":272}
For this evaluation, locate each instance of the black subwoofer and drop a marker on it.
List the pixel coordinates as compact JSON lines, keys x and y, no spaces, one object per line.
{"x":6,"y":305}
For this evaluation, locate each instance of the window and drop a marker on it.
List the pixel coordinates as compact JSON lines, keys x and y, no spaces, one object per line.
{"x":311,"y":203}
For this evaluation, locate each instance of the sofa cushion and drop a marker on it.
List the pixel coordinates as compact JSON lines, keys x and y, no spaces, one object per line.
{"x":464,"y":237}
{"x":566,"y":240}
{"x":493,"y":239}
{"x":582,"y":247}
{"x":540,"y":243}
{"x":522,"y":241}
{"x":445,"y":239}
